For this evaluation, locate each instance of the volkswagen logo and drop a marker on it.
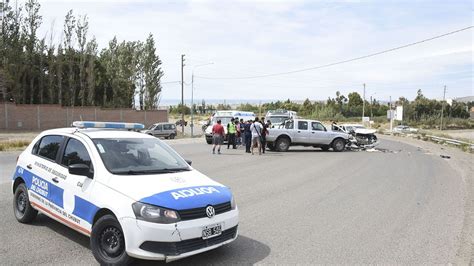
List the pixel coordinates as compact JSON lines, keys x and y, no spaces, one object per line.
{"x":210,"y":211}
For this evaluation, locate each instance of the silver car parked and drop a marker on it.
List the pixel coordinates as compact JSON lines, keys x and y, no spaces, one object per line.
{"x":162,"y":130}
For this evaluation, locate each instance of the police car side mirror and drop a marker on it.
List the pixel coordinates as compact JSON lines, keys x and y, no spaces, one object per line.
{"x":80,"y":169}
{"x":189,"y":162}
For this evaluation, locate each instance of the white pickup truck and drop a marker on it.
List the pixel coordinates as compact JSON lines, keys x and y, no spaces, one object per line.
{"x":305,"y":132}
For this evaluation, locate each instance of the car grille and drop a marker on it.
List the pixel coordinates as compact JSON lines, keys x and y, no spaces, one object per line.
{"x":197,"y":213}
{"x":176,"y":248}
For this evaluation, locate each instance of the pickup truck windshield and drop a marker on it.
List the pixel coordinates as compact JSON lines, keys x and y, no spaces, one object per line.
{"x":277,"y":119}
{"x":132,"y":156}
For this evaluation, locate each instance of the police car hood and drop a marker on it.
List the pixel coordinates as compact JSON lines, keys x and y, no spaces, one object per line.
{"x":177,"y":191}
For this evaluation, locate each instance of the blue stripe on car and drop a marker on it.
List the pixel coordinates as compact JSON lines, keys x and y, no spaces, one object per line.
{"x":45,"y":189}
{"x":190,"y":197}
{"x":84,"y":209}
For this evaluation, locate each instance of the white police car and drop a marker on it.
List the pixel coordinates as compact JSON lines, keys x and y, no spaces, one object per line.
{"x":130,"y":192}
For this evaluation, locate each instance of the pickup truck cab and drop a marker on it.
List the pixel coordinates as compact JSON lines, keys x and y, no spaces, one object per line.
{"x":305,"y":132}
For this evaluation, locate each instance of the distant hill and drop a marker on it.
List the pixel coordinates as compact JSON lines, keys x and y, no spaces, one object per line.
{"x":465,"y":99}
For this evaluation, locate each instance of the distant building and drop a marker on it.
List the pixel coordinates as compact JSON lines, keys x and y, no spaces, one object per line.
{"x":472,"y":113}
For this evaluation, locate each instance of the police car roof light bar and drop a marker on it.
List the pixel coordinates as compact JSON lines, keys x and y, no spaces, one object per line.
{"x":116,"y":125}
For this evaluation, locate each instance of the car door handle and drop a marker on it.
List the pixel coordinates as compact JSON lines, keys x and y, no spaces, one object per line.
{"x":29,"y":166}
{"x":313,"y":132}
{"x":299,"y":131}
{"x":55,"y":179}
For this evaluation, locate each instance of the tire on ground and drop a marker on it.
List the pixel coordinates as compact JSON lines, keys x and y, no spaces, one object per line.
{"x":108,"y":242}
{"x":338,"y":145}
{"x":22,"y":208}
{"x":282,"y":144}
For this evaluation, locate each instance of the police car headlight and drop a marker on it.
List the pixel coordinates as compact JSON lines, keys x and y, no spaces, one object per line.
{"x":232,"y":203}
{"x":154,"y":214}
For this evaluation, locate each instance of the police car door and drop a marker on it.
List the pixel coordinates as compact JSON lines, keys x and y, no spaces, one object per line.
{"x":79,"y":211}
{"x":45,"y":194}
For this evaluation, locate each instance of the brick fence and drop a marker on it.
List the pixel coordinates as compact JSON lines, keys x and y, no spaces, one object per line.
{"x":46,"y":116}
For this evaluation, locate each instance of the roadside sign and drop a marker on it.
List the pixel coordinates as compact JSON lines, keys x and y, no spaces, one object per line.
{"x":399,"y":113}
{"x":390,"y":114}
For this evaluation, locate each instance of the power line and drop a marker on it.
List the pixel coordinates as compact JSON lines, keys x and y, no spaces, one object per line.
{"x":344,"y":61}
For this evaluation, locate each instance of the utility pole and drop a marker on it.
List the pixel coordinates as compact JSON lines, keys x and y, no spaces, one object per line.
{"x":442,"y":109}
{"x":371,"y":102}
{"x":391,"y":115}
{"x":363,"y":105}
{"x":182,"y":94}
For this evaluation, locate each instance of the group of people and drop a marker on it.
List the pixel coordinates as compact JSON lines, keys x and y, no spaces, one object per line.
{"x":250,"y":133}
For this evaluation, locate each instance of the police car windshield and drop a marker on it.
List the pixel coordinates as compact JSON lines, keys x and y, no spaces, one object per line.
{"x":131,"y":156}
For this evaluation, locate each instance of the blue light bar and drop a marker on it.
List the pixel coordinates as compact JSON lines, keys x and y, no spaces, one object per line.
{"x":117,"y":125}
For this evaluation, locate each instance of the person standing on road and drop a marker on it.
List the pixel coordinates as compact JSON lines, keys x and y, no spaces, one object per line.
{"x":238,"y":137}
{"x":217,"y":137}
{"x":231,"y":131}
{"x":264,"y":135}
{"x":242,"y":131}
{"x":247,"y":135}
{"x":256,"y":129}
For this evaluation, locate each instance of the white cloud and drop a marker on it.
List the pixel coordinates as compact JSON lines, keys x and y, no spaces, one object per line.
{"x":245,"y":38}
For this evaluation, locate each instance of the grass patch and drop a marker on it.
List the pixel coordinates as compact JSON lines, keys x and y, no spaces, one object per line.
{"x":13,"y":145}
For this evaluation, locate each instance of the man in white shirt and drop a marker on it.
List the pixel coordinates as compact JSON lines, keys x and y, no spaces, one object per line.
{"x":256,"y":129}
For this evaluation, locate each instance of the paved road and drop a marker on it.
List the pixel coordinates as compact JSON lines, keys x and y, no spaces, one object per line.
{"x":403,"y":206}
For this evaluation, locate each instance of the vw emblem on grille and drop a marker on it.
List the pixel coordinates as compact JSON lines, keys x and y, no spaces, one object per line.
{"x":210,"y":211}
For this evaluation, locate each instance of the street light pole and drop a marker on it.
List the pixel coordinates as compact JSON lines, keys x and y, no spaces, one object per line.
{"x":192,"y":97}
{"x":363,"y":105}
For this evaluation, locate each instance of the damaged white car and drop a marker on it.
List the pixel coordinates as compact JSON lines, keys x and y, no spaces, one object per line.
{"x":360,"y":136}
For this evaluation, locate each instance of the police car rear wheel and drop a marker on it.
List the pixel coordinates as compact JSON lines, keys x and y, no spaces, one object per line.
{"x":24,"y":213}
{"x":108,"y":242}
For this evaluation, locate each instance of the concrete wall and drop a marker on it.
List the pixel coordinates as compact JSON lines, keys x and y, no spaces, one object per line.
{"x":46,"y":116}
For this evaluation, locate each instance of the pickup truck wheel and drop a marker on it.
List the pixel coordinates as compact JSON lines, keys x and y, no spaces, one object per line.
{"x":338,"y":145}
{"x":209,"y":141}
{"x":325,"y":148}
{"x":172,"y":136}
{"x":282,"y":144}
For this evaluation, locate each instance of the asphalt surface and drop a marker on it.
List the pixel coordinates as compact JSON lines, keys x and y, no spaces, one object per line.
{"x":403,"y":205}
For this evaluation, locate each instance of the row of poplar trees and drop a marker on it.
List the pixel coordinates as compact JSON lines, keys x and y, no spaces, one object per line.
{"x":72,"y":72}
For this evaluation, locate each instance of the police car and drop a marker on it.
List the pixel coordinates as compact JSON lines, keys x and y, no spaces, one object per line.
{"x":131,"y":193}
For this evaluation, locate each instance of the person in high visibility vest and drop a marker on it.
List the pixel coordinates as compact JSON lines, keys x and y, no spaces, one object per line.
{"x":231,"y":131}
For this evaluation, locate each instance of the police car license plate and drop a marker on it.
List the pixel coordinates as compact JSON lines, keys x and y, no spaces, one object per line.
{"x":211,"y":231}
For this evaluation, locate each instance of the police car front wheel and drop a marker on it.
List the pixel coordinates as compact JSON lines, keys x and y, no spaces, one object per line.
{"x":24,"y":213}
{"x":108,"y":242}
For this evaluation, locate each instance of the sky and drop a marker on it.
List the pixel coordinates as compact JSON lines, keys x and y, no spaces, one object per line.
{"x":251,"y":38}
